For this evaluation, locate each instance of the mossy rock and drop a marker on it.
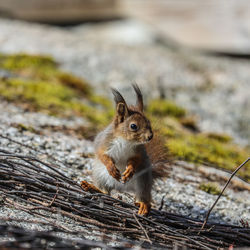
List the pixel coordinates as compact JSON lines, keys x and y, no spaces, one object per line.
{"x":42,"y":68}
{"x":200,"y":148}
{"x":161,"y":107}
{"x":185,"y":142}
{"x":41,"y":85}
{"x":35,"y":66}
{"x":18,"y":62}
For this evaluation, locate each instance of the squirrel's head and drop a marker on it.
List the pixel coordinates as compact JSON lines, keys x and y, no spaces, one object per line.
{"x":130,"y":122}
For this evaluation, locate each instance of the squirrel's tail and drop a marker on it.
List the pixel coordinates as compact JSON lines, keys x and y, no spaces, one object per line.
{"x":159,"y":157}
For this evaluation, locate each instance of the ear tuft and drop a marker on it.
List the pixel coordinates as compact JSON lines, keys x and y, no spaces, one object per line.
{"x":139,"y":102}
{"x":117,"y":96}
{"x":122,"y":110}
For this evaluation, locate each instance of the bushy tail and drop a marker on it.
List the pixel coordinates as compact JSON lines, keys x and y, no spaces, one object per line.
{"x":159,"y":157}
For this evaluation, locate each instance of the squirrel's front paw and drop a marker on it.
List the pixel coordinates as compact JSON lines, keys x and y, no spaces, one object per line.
{"x":128,"y":173}
{"x":114,"y":172}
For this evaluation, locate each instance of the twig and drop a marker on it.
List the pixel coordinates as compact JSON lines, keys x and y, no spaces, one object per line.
{"x":40,"y":189}
{"x":232,"y":175}
{"x":143,"y":229}
{"x":162,"y":203}
{"x":54,"y":198}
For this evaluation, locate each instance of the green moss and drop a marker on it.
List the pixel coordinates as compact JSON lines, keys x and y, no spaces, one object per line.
{"x":40,"y":94}
{"x":202,"y":149}
{"x":36,"y":66}
{"x":210,"y":187}
{"x":22,"y":61}
{"x":160,"y":107}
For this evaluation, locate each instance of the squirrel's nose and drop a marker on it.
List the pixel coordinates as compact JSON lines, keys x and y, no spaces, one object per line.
{"x":150,"y":136}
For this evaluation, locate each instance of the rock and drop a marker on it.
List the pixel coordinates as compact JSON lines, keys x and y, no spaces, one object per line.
{"x":218,"y":26}
{"x":59,"y":11}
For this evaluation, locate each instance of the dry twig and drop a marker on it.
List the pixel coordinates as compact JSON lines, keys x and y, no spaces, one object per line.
{"x":232,"y":175}
{"x":41,"y":190}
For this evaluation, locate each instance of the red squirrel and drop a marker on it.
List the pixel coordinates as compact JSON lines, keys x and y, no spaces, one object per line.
{"x":122,"y":160}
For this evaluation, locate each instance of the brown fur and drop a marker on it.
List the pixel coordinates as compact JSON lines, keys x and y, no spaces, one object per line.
{"x":159,"y":157}
{"x":132,"y":165}
{"x":139,"y":136}
{"x":109,"y":163}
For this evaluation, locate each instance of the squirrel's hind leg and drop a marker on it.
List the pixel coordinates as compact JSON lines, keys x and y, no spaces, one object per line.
{"x":143,"y":186}
{"x":144,"y":208}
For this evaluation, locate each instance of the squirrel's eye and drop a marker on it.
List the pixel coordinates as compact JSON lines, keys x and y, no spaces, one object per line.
{"x":133,"y":126}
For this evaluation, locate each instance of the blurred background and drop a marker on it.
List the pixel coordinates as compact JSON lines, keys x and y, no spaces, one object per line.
{"x":193,"y":52}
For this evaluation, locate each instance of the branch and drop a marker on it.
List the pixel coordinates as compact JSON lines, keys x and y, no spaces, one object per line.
{"x":232,"y":175}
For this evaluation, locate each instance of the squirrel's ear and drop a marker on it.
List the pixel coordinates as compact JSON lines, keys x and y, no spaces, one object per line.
{"x":121,"y":112}
{"x":139,"y":102}
{"x":121,"y":106}
{"x":121,"y":109}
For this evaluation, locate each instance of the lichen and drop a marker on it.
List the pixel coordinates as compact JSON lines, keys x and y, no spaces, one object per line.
{"x":210,"y":188}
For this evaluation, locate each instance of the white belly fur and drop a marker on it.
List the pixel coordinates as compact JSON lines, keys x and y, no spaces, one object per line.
{"x":120,"y":150}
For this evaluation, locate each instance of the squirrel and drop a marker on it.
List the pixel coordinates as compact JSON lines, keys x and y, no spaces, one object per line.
{"x":123,"y":159}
